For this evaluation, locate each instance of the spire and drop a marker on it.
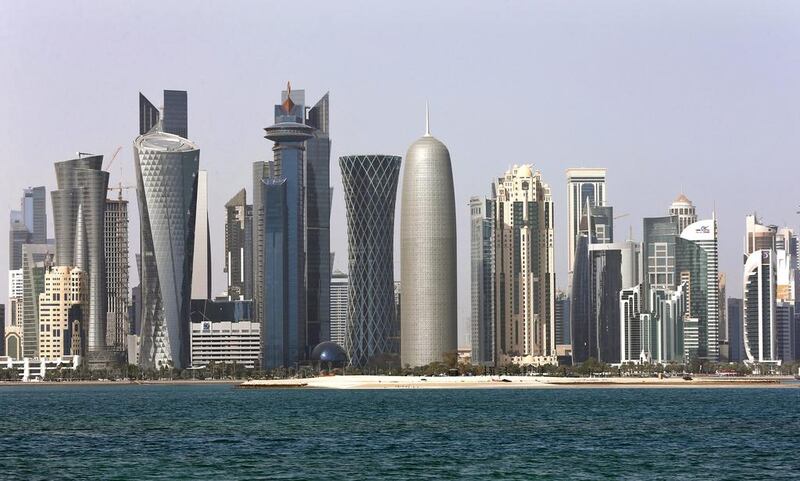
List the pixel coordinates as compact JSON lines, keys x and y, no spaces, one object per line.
{"x":288,"y":105}
{"x":427,"y":121}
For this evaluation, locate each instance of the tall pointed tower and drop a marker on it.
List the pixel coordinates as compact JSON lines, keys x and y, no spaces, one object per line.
{"x":429,"y":325}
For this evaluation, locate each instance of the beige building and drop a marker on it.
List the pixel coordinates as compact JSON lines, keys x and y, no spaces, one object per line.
{"x":525,"y":285}
{"x":60,"y":312}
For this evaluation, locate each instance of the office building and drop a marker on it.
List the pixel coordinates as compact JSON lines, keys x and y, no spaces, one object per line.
{"x":166,"y":175}
{"x":563,"y":324}
{"x":630,"y":319}
{"x":370,"y":190}
{"x":758,"y":310}
{"x":318,"y":193}
{"x":658,"y":254}
{"x":36,"y":259}
{"x":428,"y":254}
{"x":684,"y":210}
{"x":697,"y":264}
{"x":224,"y":332}
{"x":585,"y":186}
{"x":736,"y":351}
{"x":148,"y":115}
{"x":664,"y":330}
{"x":284,"y":339}
{"x":201,"y":269}
{"x":15,"y":311}
{"x":61,"y":312}
{"x":237,"y":264}
{"x":524,"y":268}
{"x":175,"y":118}
{"x":482,"y":280}
{"x":117,"y":272}
{"x":785,"y":331}
{"x":338,"y":306}
{"x":758,"y":236}
{"x":18,"y":235}
{"x":2,"y":329}
{"x":79,"y":206}
{"x":27,"y":225}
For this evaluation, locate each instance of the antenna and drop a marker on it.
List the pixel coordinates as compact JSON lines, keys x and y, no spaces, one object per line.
{"x":427,"y":120}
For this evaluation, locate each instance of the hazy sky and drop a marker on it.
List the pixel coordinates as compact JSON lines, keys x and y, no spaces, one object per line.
{"x":695,"y":97}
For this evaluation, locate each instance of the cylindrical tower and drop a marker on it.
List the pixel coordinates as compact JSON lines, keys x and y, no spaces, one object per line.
{"x":370,"y":189}
{"x":428,"y":255}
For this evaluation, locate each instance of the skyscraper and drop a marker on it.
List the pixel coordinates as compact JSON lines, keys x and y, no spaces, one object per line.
{"x":428,"y":254}
{"x":697,"y":264}
{"x":631,"y":331}
{"x":18,"y":234}
{"x":758,"y":311}
{"x":658,"y":254}
{"x":482,"y":279}
{"x":735,"y":341}
{"x":236,"y":262}
{"x":175,"y":117}
{"x":370,"y":190}
{"x":201,"y":270}
{"x":79,"y":206}
{"x":36,"y":259}
{"x":166,"y":175}
{"x":524,"y":268}
{"x":285,"y":339}
{"x":148,"y":115}
{"x":117,"y":272}
{"x":61,"y":312}
{"x":584,"y":186}
{"x":339,"y":302}
{"x":684,"y":210}
{"x":318,"y":217}
{"x":27,"y":225}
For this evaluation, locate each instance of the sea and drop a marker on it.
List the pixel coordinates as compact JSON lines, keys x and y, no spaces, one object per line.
{"x":216,"y":432}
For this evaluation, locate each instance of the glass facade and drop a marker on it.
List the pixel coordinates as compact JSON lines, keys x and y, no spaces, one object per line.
{"x":370,"y":190}
{"x":176,"y":119}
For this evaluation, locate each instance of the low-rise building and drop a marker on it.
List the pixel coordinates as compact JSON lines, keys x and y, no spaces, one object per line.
{"x":224,"y":332}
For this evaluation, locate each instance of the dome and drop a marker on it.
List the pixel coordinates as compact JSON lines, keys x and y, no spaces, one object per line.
{"x":682,"y":199}
{"x":328,"y":351}
{"x":524,"y":171}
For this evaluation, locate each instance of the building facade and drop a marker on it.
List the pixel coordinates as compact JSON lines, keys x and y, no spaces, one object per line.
{"x":482,"y":280}
{"x":429,"y":328}
{"x":370,"y":190}
{"x":201,"y":269}
{"x":117,"y":272}
{"x":237,"y":266}
{"x":61,"y":312}
{"x":684,"y":210}
{"x":524,"y":267}
{"x":36,"y":259}
{"x":166,"y":172}
{"x":759,"y":328}
{"x":223,"y":332}
{"x":585,"y":186}
{"x":338,"y":306}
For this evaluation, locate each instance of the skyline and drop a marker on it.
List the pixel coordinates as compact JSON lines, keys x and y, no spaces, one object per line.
{"x":678,"y":97}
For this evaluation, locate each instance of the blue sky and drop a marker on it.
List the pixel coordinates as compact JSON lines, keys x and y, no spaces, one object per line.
{"x":696,"y":97}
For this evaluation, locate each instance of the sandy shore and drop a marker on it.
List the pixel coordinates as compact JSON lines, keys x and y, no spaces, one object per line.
{"x":515,"y":382}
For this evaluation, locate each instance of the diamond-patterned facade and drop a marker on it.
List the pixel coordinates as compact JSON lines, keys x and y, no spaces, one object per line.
{"x":370,"y":190}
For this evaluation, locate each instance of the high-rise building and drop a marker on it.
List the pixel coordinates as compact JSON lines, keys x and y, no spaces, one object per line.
{"x":758,"y":236}
{"x":301,"y":157}
{"x":36,"y":259}
{"x":370,"y":190}
{"x":482,"y":280}
{"x":684,"y":210}
{"x":2,"y":329}
{"x":735,"y":340}
{"x":339,"y":302}
{"x":175,"y":119}
{"x":758,"y":311}
{"x":524,"y":268}
{"x":318,"y":223}
{"x":148,"y":115}
{"x":15,"y":295}
{"x":284,"y":340}
{"x":166,"y":175}
{"x":34,"y":212}
{"x":429,"y":328}
{"x":663,"y":329}
{"x":201,"y":270}
{"x":785,"y":330}
{"x":18,"y":234}
{"x":236,"y":262}
{"x":585,"y":186}
{"x":658,"y":254}
{"x":61,"y":312}
{"x":697,"y":264}
{"x":631,"y":332}
{"x":563,"y":324}
{"x":117,"y":272}
{"x":79,"y":206}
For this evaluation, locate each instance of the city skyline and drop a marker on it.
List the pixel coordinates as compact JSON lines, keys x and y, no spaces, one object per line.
{"x":730,"y":127}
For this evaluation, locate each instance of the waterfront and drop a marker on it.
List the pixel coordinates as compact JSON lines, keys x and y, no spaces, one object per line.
{"x":217,"y":432}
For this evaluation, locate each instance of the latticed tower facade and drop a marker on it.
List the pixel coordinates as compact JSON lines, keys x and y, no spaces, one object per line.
{"x":370,"y":188}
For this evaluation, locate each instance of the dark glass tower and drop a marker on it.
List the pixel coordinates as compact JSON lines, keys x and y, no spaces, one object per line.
{"x":176,"y":119}
{"x":148,"y":115}
{"x":279,"y":332}
{"x":289,"y":135}
{"x":318,"y":215}
{"x":370,"y":190}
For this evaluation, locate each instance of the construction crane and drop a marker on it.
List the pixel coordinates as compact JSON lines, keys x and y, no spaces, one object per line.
{"x":620,"y":216}
{"x":120,"y":188}
{"x":116,"y":152}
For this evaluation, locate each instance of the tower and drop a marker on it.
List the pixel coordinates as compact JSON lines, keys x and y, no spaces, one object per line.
{"x":684,"y":210}
{"x":370,"y":190}
{"x":584,"y":186}
{"x":429,"y":324}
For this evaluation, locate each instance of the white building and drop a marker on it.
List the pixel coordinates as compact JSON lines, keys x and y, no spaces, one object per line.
{"x":758,"y":317}
{"x":338,"y":306}
{"x":229,"y":342}
{"x":684,"y":210}
{"x":704,"y":234}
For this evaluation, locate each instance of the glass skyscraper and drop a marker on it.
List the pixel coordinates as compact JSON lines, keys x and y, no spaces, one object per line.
{"x":370,"y":190}
{"x":482,"y":280}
